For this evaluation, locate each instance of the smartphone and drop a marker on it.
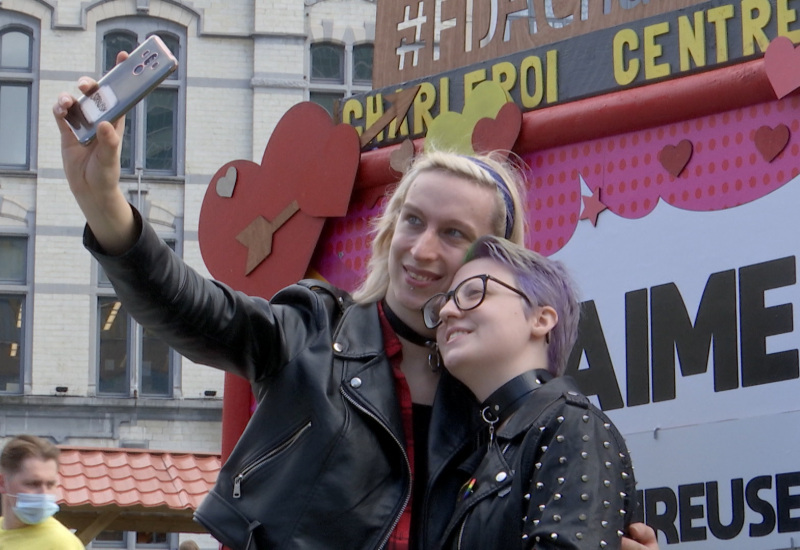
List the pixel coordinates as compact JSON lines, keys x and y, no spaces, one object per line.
{"x":122,"y":88}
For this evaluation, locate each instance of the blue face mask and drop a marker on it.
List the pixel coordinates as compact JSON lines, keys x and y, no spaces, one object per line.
{"x":33,"y":508}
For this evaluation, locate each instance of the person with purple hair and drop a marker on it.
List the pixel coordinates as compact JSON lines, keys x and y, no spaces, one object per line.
{"x":552,"y":470}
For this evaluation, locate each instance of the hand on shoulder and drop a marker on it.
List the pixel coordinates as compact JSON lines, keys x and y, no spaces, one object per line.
{"x":643,"y":537}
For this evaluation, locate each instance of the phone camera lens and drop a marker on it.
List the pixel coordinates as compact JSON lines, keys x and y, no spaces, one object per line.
{"x":151,"y":59}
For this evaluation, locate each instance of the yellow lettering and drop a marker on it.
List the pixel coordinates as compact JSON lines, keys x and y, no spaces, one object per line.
{"x":531,"y":100}
{"x":353,"y":110}
{"x":471,"y":80}
{"x":423,"y":103}
{"x":718,"y":16}
{"x":653,"y":50}
{"x":552,"y":76}
{"x":505,"y":74}
{"x":786,"y":16}
{"x":692,"y":41}
{"x":626,"y":39}
{"x":755,"y":16}
{"x":444,"y":95}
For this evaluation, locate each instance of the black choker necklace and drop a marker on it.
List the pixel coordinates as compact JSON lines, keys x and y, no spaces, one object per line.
{"x":509,"y":397}
{"x":408,"y":333}
{"x":402,"y":329}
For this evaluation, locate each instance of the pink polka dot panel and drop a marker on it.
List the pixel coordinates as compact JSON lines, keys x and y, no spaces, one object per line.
{"x":728,"y":165}
{"x":343,"y":250}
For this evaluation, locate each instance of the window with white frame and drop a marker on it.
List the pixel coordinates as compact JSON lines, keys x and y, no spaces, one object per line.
{"x":339,"y":71}
{"x":153,"y":133}
{"x":131,"y":360}
{"x":14,"y":292}
{"x":19,"y":67}
{"x":120,"y":341}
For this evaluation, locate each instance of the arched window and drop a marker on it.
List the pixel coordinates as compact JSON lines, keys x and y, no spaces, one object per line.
{"x":19,"y":61}
{"x":152,"y":139}
{"x":130,"y":359}
{"x":327,"y":63}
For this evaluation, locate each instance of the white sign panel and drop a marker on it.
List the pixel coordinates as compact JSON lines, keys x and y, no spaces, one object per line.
{"x":689,"y":335}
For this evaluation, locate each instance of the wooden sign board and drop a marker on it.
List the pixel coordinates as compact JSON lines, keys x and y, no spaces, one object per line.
{"x":674,"y":42}
{"x":417,"y":39}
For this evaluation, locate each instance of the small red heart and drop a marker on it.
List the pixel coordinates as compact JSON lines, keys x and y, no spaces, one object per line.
{"x":782,"y":65}
{"x":499,"y":133}
{"x":674,"y":158}
{"x":771,"y":141}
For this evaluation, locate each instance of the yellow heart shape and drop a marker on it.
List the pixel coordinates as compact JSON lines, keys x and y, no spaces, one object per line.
{"x":452,"y":131}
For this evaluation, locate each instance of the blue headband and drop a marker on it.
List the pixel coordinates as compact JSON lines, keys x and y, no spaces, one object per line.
{"x":504,"y":191}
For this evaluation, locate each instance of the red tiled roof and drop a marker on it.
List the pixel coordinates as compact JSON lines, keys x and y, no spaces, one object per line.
{"x":134,"y":477}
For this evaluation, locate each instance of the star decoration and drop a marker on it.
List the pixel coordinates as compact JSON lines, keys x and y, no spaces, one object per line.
{"x":592,"y":206}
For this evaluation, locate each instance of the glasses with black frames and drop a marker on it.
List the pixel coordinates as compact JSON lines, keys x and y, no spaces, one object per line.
{"x":468,"y":295}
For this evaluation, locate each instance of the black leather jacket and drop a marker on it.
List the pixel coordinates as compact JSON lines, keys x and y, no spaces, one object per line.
{"x":559,"y":476}
{"x":322,"y":462}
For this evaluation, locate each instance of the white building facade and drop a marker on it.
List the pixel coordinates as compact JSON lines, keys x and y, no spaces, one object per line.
{"x":73,"y":366}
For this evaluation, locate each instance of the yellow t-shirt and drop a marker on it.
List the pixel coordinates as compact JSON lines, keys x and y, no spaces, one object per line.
{"x":48,"y":535}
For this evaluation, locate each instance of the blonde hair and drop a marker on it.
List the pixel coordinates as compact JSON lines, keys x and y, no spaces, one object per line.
{"x":483,"y":170}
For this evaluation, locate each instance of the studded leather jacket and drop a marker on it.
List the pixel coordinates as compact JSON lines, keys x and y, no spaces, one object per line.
{"x":557,"y":476}
{"x":322,"y":463}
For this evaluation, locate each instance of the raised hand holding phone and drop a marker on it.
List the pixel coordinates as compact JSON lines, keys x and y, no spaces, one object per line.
{"x":92,"y":166}
{"x":122,"y":88}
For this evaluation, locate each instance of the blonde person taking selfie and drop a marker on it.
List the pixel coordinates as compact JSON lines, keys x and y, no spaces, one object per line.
{"x":356,"y":424}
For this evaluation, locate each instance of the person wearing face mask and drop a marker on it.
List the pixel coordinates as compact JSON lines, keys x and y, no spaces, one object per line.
{"x":28,"y":480}
{"x":553,"y":471}
{"x":355,"y":422}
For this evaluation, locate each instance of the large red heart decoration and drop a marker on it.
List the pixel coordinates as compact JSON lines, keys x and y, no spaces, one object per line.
{"x":782,"y":65}
{"x":259,"y":223}
{"x":499,"y":133}
{"x":771,"y":141}
{"x":674,"y":158}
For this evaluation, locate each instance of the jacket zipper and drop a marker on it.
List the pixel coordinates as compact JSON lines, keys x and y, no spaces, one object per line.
{"x":425,"y":506}
{"x":237,"y":481}
{"x":405,"y":457}
{"x":461,"y":531}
